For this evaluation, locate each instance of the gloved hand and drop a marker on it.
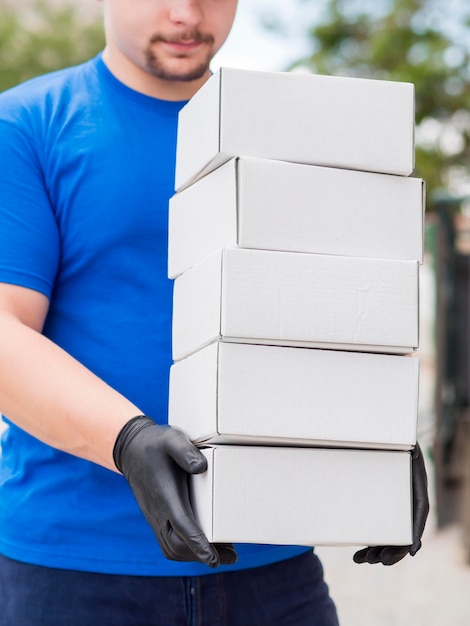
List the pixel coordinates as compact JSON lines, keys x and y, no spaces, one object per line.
{"x":389,"y":555}
{"x":156,"y":461}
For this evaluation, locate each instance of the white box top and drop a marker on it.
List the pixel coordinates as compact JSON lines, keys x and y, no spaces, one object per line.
{"x":341,"y":122}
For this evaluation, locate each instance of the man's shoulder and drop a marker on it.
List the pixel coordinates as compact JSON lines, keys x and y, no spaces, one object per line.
{"x":54,"y":86}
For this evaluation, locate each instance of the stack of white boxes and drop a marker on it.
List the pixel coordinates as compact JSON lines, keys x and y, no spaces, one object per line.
{"x":295,"y":242}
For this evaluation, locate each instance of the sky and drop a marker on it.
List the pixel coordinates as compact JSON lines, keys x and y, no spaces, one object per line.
{"x":251,"y":46}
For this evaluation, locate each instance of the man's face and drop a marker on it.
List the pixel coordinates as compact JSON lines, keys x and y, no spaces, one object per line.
{"x":172,"y":40}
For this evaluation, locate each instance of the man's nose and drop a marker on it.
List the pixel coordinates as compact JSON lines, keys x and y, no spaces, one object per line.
{"x":186,"y":12}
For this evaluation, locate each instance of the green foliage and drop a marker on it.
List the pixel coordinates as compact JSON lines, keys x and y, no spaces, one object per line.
{"x":44,"y":36}
{"x":425,"y":42}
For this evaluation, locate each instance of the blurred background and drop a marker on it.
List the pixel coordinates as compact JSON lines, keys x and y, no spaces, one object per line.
{"x":426,"y":42}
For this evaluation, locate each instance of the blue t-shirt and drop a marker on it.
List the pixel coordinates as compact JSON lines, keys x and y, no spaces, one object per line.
{"x":86,"y":171}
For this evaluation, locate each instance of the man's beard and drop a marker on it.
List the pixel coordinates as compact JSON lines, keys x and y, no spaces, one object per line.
{"x":158,"y":68}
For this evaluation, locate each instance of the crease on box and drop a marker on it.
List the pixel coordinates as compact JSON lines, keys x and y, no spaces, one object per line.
{"x":232,"y":307}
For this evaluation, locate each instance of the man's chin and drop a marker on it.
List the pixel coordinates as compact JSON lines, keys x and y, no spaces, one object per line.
{"x":177,"y":70}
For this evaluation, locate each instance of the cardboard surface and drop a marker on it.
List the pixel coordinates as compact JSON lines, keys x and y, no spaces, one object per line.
{"x":283,"y":298}
{"x":341,"y":122}
{"x":274,"y":205}
{"x":304,"y":496}
{"x":239,"y":393}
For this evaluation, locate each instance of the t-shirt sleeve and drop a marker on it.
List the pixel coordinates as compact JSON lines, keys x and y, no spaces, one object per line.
{"x":29,"y":235}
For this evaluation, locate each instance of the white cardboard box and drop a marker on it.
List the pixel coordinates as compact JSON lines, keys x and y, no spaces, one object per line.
{"x":287,"y":298}
{"x":275,"y":205}
{"x":351,"y":123}
{"x":305,"y":496}
{"x":233,"y":393}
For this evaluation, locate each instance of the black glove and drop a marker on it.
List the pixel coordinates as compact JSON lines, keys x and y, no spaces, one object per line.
{"x":156,"y":461}
{"x":389,"y":555}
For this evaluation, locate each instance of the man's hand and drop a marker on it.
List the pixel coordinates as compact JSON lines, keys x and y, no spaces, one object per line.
{"x":389,"y":555}
{"x":156,"y":461}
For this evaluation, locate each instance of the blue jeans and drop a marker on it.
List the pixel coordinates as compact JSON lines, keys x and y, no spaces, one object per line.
{"x":287,"y":593}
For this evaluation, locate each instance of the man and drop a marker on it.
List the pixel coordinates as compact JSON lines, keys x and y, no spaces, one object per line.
{"x":87,"y":160}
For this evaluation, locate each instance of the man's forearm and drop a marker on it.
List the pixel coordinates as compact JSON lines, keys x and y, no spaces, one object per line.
{"x":53,"y":397}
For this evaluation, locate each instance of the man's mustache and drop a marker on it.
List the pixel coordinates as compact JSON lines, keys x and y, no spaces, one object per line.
{"x":193,"y":36}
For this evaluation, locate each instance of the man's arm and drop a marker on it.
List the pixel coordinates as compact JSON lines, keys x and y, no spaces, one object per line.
{"x":53,"y":397}
{"x":49,"y":394}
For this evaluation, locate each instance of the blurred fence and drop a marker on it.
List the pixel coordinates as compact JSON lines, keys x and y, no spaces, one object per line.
{"x":448,"y":245}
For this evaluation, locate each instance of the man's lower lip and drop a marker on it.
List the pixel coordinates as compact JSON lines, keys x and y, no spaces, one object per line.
{"x":183,"y":47}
